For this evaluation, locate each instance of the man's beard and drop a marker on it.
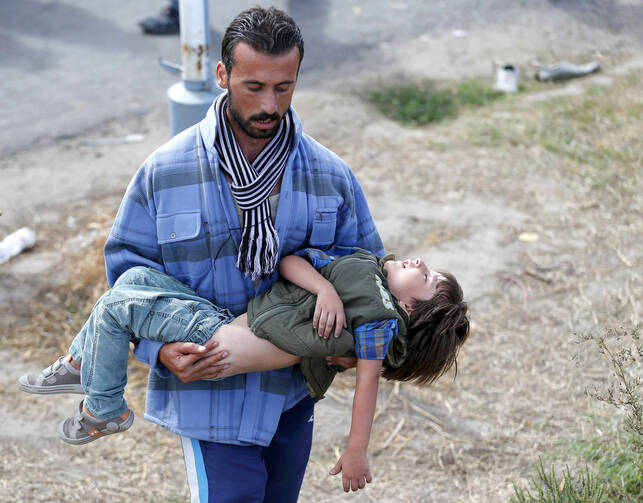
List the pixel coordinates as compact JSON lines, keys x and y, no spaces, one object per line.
{"x":246,"y":124}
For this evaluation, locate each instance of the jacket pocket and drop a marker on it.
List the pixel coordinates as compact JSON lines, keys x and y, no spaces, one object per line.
{"x":171,"y":228}
{"x":324,"y":224}
{"x":183,"y":246}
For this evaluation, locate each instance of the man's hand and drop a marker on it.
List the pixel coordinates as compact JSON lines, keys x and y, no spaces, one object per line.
{"x":329,"y":311}
{"x":192,"y":362}
{"x":355,"y":471}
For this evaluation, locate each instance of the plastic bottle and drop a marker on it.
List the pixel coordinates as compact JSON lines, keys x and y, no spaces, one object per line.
{"x":16,"y":242}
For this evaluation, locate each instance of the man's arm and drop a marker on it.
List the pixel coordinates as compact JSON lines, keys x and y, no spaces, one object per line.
{"x":354,"y":463}
{"x":133,"y":242}
{"x":329,"y":309}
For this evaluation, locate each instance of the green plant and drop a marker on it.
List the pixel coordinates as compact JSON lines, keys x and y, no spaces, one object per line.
{"x":423,"y":102}
{"x":475,"y":93}
{"x":414,"y":104}
{"x":615,"y":463}
{"x":622,"y":350}
{"x":548,"y":489}
{"x":616,"y":459}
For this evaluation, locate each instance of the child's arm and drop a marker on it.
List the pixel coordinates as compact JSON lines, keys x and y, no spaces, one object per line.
{"x":354,"y":463}
{"x":329,"y":309}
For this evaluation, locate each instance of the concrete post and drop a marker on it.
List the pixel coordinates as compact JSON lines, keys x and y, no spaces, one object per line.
{"x":190,"y":99}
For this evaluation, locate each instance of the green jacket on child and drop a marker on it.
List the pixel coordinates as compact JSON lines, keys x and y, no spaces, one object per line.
{"x":283,"y":315}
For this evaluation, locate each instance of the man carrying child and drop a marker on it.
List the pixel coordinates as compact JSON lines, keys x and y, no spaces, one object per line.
{"x":215,"y":207}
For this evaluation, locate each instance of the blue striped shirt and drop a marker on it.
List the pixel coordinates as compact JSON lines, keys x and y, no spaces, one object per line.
{"x":179,"y":217}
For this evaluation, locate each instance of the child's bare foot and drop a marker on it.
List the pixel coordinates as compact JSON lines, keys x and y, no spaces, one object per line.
{"x":62,"y":376}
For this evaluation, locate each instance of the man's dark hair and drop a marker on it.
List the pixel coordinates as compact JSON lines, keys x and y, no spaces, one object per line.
{"x":270,"y":31}
{"x":437,"y":329}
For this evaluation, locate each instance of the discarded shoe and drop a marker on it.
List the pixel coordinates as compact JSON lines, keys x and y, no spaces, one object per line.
{"x":83,"y":428}
{"x":564,"y":70}
{"x":166,"y":23}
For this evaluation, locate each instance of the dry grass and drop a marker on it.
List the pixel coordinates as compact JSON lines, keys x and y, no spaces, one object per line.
{"x":144,"y":465}
{"x":573,"y":167}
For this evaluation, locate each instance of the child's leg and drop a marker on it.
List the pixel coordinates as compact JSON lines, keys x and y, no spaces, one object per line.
{"x":167,"y":312}
{"x":249,"y":353}
{"x":135,"y":277}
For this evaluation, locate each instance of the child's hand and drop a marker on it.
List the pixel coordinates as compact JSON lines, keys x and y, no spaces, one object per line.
{"x":348,"y":362}
{"x":329,"y":311}
{"x":355,"y":471}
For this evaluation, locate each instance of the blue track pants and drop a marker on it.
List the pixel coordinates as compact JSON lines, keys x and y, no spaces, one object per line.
{"x":223,"y":473}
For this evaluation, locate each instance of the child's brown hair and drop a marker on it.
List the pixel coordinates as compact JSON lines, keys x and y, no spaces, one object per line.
{"x":437,"y":329}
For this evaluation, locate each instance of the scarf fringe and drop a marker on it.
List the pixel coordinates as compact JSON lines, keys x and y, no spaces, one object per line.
{"x":252,"y":263}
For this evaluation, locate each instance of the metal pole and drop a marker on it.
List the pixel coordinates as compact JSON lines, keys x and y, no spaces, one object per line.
{"x":190,"y":99}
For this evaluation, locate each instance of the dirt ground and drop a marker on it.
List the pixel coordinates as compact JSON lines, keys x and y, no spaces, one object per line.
{"x":532,"y":202}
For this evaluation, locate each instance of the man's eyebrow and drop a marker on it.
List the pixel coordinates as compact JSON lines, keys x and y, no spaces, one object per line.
{"x":260,"y":83}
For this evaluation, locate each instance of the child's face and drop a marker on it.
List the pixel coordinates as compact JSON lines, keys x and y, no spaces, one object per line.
{"x":411,"y":279}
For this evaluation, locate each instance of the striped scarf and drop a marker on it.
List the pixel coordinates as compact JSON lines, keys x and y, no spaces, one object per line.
{"x":251,"y":186}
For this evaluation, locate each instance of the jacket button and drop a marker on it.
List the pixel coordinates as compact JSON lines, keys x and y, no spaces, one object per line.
{"x":173,"y":235}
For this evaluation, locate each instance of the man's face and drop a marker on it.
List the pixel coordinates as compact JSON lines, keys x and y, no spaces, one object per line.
{"x":260,"y":88}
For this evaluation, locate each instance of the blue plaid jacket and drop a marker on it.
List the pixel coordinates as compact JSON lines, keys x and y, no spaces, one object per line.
{"x":179,"y":217}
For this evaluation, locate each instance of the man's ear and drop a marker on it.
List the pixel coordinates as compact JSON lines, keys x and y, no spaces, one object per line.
{"x":407,"y":307}
{"x":222,"y":75}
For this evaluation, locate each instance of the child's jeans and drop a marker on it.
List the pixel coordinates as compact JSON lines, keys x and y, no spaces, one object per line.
{"x":143,"y":304}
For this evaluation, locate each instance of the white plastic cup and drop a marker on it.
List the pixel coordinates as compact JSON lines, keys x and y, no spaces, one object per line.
{"x":16,"y":242}
{"x":507,"y":79}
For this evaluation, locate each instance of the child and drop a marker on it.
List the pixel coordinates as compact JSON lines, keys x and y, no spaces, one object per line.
{"x":414,"y":334}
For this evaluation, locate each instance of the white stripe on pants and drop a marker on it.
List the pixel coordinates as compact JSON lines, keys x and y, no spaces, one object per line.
{"x":195,"y":470}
